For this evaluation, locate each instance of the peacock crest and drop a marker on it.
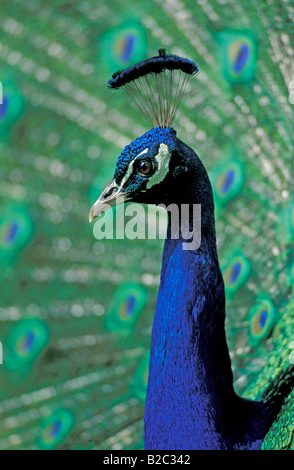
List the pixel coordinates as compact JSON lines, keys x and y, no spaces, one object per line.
{"x":156,"y":85}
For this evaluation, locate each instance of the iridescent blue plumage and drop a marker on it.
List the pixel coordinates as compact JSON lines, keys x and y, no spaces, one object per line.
{"x":153,"y":137}
{"x":191,"y":402}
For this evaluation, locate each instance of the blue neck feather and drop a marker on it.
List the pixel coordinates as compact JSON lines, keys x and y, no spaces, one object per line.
{"x":191,"y":403}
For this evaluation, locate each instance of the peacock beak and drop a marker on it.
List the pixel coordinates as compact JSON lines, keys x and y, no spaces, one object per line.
{"x":112,"y":195}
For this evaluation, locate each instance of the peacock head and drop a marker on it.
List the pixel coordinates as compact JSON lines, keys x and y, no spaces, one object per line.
{"x":146,"y":168}
{"x":147,"y":171}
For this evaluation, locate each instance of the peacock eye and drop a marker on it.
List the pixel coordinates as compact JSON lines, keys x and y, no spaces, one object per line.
{"x":145,"y":168}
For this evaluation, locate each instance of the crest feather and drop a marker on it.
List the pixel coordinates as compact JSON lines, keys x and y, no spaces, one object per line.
{"x":156,"y":85}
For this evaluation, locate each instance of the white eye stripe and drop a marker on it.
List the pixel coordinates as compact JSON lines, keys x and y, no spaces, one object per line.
{"x":142,"y":153}
{"x":162,"y":158}
{"x":130,"y":168}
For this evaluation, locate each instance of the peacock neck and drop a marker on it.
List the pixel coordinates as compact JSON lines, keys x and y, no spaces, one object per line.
{"x":191,"y":310}
{"x":190,"y":396}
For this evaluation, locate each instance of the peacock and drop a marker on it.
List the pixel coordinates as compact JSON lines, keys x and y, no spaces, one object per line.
{"x":190,"y":402}
{"x":76,"y":311}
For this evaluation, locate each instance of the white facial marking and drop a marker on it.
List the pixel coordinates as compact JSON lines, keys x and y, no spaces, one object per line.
{"x":130,"y":169}
{"x":163,"y":159}
{"x":142,"y":153}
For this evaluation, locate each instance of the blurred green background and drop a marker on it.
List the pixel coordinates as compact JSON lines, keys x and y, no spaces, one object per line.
{"x":76,"y":313}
